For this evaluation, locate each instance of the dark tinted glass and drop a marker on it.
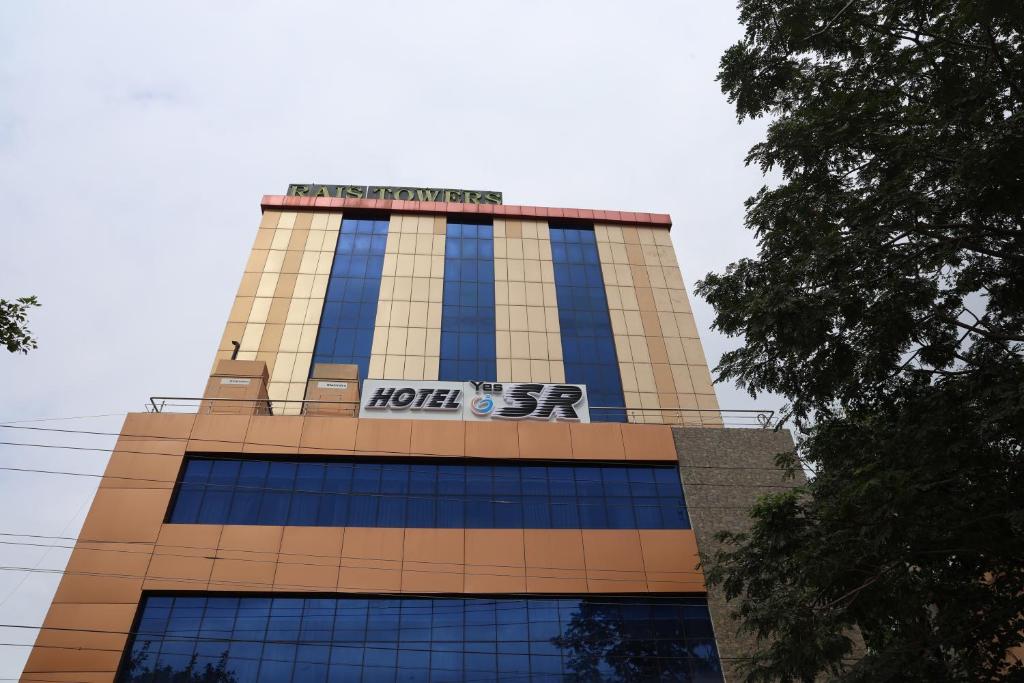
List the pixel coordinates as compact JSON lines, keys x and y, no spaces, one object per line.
{"x":430,"y":495}
{"x":467,"y":316}
{"x":588,"y":347}
{"x":321,"y":640}
{"x":350,"y":306}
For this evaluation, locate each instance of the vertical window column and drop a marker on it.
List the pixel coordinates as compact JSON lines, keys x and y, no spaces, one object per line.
{"x":350,"y":307}
{"x":529,"y":343}
{"x":588,"y":347}
{"x":660,"y":356}
{"x":407,"y":338}
{"x":467,"y":319}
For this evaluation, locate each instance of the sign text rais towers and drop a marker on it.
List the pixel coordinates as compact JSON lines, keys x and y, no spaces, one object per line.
{"x":415,"y":194}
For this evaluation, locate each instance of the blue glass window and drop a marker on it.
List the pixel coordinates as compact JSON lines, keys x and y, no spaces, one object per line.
{"x":428,"y":494}
{"x":588,"y":347}
{"x":467,"y":319}
{"x":350,"y":306}
{"x":374,"y":638}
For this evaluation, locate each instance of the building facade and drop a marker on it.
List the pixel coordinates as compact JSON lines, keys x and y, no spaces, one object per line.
{"x":441,"y":441}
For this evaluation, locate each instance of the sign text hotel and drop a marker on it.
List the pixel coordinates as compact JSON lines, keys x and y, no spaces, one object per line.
{"x":415,"y":194}
{"x":473,"y":401}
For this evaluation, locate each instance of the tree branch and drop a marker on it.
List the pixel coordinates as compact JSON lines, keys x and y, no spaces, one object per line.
{"x":828,"y":24}
{"x":874,"y":579}
{"x":1014,"y":86}
{"x":993,"y":336}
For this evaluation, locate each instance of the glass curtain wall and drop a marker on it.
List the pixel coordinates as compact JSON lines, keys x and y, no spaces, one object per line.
{"x":429,"y":640}
{"x":468,"y":348}
{"x":350,"y":306}
{"x":427,"y":494}
{"x":588,"y":347}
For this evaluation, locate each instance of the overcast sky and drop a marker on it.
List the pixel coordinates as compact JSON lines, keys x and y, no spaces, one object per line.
{"x":136,"y":140}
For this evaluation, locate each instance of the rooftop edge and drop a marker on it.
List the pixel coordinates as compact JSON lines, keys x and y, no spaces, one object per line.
{"x":276,"y":202}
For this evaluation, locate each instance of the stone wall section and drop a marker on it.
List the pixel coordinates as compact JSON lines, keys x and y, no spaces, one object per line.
{"x":724,"y":472}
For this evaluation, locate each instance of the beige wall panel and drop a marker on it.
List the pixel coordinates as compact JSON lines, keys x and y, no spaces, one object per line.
{"x":277,"y":310}
{"x":526,"y":312}
{"x":407,"y":331}
{"x":251,"y":337}
{"x":268,"y":284}
{"x":287,"y":275}
{"x":661,"y":361}
{"x":296,"y":310}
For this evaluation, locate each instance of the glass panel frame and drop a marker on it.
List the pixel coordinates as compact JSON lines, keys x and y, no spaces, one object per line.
{"x":468,"y":320}
{"x":345,"y":333}
{"x":588,"y":344}
{"x":428,"y":493}
{"x":264,"y":637}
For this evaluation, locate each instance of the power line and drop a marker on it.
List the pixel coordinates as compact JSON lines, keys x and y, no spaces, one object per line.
{"x":480,"y":606}
{"x":355,"y":494}
{"x":222,"y":457}
{"x":24,"y":578}
{"x":333,"y":451}
{"x":322,"y":493}
{"x":60,"y":419}
{"x":329,"y":450}
{"x":232,"y":487}
{"x":581,"y":574}
{"x":212,"y":639}
{"x":217,"y":551}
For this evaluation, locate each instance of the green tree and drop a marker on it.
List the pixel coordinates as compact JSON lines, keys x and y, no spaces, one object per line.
{"x":137,"y":669}
{"x":14,"y":333}
{"x":600,"y":645}
{"x":886,"y":303}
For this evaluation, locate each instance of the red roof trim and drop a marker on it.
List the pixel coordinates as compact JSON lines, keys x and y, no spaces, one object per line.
{"x":272,"y":202}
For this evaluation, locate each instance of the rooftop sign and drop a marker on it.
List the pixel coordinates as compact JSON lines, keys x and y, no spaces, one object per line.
{"x":415,"y":194}
{"x":475,"y":401}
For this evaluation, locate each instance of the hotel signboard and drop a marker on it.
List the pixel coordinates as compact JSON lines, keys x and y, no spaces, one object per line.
{"x":473,"y":401}
{"x":414,"y":194}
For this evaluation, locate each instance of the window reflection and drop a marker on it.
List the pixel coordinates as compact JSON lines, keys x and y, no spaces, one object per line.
{"x":588,"y":347}
{"x":367,"y":493}
{"x":467,"y":319}
{"x":260,"y":638}
{"x":350,"y":306}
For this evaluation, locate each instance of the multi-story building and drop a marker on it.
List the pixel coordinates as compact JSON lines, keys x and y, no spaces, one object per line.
{"x":441,"y":441}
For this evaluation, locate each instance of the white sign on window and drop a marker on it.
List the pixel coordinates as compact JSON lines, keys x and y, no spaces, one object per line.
{"x":474,"y":401}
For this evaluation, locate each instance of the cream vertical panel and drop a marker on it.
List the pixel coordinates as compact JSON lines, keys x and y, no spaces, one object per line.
{"x":407,"y":332}
{"x":283,"y":261}
{"x":664,"y":374}
{"x":308,"y":268}
{"x":277,"y":309}
{"x":686,"y":359}
{"x":528,"y":336}
{"x":256,"y":293}
{"x":638,"y":386}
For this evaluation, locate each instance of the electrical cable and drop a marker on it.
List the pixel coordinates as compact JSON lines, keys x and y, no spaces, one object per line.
{"x":329,"y":450}
{"x":376,"y":454}
{"x":237,"y":443}
{"x":594,"y":576}
{"x":216,"y":551}
{"x":61,"y":419}
{"x":417,"y":456}
{"x":354,"y":494}
{"x":24,"y":578}
{"x":209,"y":639}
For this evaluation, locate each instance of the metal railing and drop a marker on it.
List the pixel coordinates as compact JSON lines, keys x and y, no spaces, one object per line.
{"x":251,"y":406}
{"x":689,"y":417}
{"x":680,"y":417}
